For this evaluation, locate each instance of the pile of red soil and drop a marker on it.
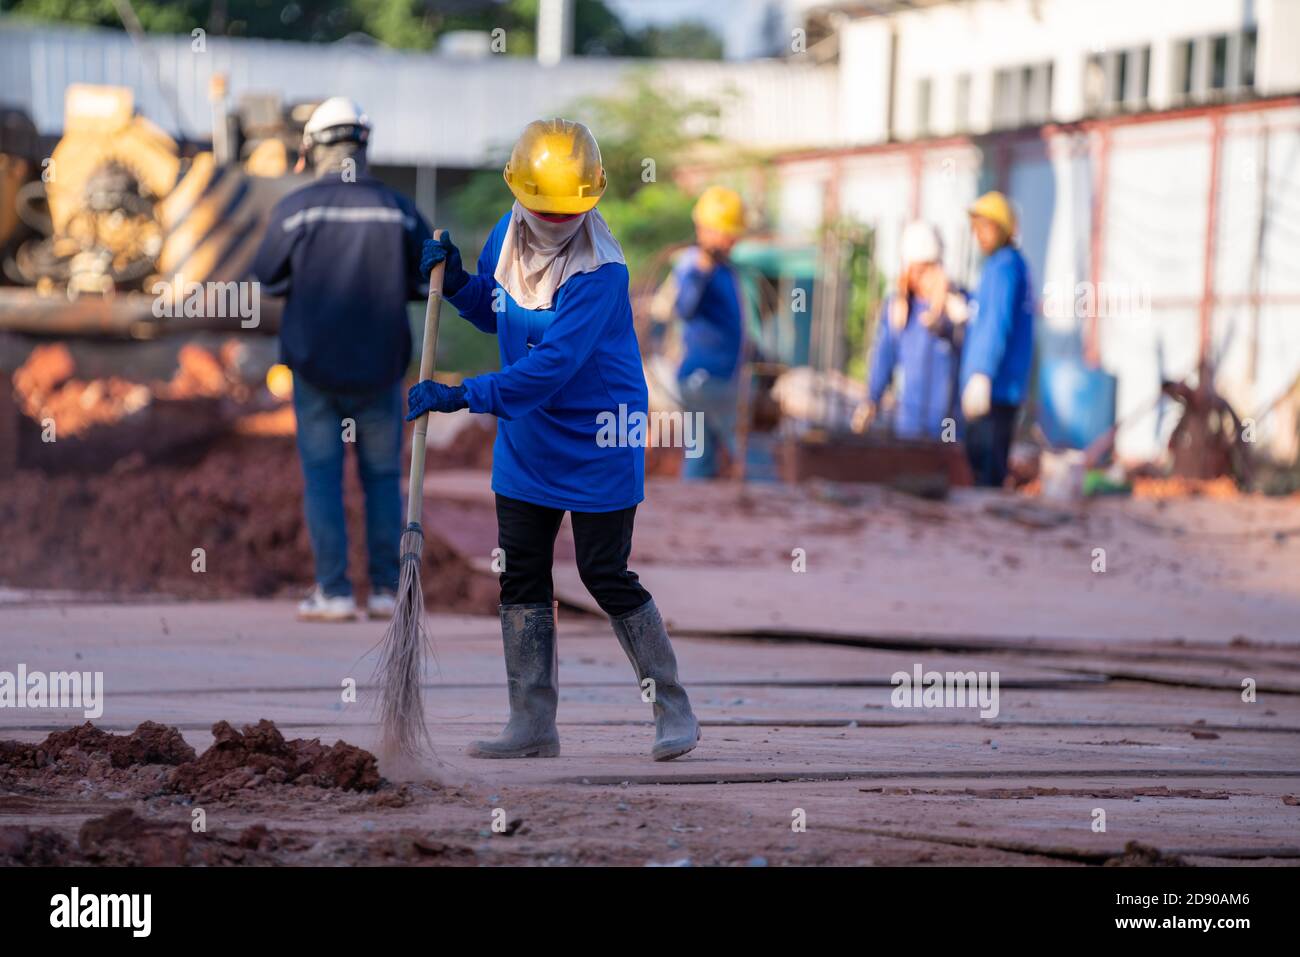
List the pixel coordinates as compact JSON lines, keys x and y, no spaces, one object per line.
{"x":83,"y":425}
{"x":122,"y":838}
{"x":150,"y":743}
{"x":135,"y":529}
{"x":469,"y":448}
{"x":141,"y":476}
{"x":154,"y":759}
{"x":260,"y":755}
{"x":46,"y":389}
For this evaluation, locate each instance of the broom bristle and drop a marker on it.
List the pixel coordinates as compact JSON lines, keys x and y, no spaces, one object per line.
{"x":400,"y":669}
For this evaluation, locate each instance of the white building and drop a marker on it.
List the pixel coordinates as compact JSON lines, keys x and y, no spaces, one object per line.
{"x":1150,"y":146}
{"x":946,"y":66}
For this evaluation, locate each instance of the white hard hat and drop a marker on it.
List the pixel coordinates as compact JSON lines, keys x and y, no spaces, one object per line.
{"x":921,"y":243}
{"x":338,"y":118}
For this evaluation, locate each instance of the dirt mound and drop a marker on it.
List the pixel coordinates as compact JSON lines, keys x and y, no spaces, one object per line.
{"x":46,"y":368}
{"x":21,"y":845}
{"x":1137,"y":854}
{"x":122,"y":838}
{"x":469,"y":448}
{"x":135,"y":530}
{"x":89,"y":424}
{"x":260,"y":755}
{"x":47,"y":390}
{"x":150,"y":743}
{"x":154,"y":760}
{"x":153,"y":487}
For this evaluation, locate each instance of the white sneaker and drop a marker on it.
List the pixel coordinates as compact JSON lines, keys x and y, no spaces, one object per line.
{"x":381,"y":604}
{"x":318,"y":607}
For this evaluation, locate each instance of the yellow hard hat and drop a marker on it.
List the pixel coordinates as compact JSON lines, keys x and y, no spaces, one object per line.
{"x":995,"y":207}
{"x":555,"y":168}
{"x":722,"y":209}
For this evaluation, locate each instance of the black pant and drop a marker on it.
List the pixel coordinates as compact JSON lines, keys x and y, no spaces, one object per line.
{"x":602,"y":540}
{"x":988,"y":444}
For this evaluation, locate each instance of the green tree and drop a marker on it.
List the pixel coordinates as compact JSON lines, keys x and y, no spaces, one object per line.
{"x":156,"y":16}
{"x":401,"y":24}
{"x":398,"y":23}
{"x":688,"y":40}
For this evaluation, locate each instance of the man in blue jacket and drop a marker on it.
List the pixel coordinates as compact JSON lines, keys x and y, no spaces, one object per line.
{"x":346,"y":250}
{"x":999,"y":347}
{"x":708,"y":303}
{"x":552,"y":286}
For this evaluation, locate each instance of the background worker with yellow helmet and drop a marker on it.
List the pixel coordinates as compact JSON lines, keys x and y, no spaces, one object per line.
{"x":706,"y":296}
{"x":999,"y":347}
{"x":552,"y":286}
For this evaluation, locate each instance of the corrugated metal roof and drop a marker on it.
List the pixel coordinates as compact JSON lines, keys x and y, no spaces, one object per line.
{"x":427,"y":108}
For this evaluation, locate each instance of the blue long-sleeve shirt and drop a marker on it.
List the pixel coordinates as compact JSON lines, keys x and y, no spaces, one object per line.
{"x":708,"y":304}
{"x":570,"y":381}
{"x":348,"y":256}
{"x":925,"y":363}
{"x":1000,"y":334}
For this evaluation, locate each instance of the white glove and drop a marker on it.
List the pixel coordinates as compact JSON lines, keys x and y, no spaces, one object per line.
{"x":977,"y":397}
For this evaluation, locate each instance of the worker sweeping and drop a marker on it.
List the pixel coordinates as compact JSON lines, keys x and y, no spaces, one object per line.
{"x":346,"y":251}
{"x":552,"y":286}
{"x":705,"y":294}
{"x":916,"y":349}
{"x":999,"y":347}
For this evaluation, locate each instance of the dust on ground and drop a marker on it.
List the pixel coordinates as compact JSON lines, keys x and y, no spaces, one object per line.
{"x":93,"y":798}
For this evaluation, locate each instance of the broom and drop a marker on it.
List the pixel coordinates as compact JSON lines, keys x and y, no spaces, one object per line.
{"x":403,"y":733}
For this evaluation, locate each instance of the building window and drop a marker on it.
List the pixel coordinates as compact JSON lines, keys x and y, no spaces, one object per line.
{"x":1185,"y":67}
{"x":1219,"y":63}
{"x":1211,"y":67}
{"x":1141,"y":88}
{"x":1022,"y":95}
{"x":1117,"y":79}
{"x":1121,"y":76}
{"x":1004,"y":99}
{"x":923,"y":107}
{"x":1248,"y":40}
{"x":961,"y":104}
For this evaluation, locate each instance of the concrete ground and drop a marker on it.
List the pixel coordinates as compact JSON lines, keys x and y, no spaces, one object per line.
{"x":1120,"y":692}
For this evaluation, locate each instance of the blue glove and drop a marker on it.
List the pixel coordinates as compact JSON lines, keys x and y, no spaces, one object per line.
{"x":439,"y":250}
{"x":430,"y":396}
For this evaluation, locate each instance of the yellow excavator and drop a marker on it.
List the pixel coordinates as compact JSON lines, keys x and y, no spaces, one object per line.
{"x":118,"y":207}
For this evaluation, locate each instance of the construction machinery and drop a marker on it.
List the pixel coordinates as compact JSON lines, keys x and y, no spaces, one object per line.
{"x":104,"y":234}
{"x":120,"y":213}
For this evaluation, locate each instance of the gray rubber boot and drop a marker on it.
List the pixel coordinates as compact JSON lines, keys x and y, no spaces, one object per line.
{"x":645,"y":639}
{"x":528,"y":633}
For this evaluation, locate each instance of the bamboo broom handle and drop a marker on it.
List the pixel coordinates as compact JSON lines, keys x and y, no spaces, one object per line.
{"x":428,"y":356}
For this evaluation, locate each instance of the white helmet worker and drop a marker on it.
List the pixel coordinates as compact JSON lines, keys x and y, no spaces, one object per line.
{"x":921,"y":243}
{"x":920,"y":247}
{"x":336,"y":120}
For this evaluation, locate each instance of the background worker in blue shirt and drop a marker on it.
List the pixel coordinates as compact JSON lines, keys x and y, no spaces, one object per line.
{"x":999,"y":347}
{"x":346,"y":249}
{"x":708,"y":304}
{"x":552,"y":286}
{"x":915,"y":350}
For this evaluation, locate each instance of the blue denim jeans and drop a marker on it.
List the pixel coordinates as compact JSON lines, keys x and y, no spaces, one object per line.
{"x":377,"y":432}
{"x":716,"y":400}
